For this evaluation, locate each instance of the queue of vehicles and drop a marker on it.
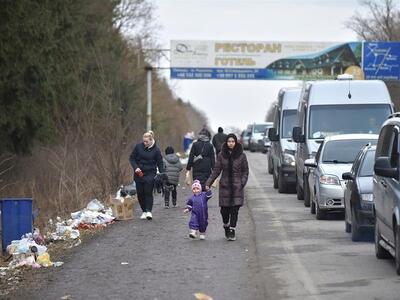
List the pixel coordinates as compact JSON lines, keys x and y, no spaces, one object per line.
{"x":336,"y":143}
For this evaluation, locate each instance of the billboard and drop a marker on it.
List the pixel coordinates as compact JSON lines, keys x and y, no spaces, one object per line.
{"x":279,"y":60}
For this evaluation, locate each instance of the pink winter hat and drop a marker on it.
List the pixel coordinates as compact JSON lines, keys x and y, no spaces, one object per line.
{"x":196,"y":183}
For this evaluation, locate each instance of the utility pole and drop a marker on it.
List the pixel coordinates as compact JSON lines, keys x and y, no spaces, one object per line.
{"x":149,"y":70}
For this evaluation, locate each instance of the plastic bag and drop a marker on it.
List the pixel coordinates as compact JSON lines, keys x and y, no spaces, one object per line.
{"x":95,"y":205}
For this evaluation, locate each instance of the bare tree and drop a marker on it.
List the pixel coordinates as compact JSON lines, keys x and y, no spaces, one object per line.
{"x":381,"y":23}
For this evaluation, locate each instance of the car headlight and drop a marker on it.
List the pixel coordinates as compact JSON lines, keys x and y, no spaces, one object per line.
{"x":329,"y":179}
{"x":367,"y":197}
{"x":289,"y":159}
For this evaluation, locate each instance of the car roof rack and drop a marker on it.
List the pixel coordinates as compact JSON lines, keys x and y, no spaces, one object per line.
{"x":395,"y":115}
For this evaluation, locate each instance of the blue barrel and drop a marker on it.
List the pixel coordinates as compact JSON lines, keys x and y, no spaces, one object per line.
{"x":16,"y":219}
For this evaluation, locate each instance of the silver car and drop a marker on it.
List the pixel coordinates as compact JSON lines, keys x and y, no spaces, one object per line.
{"x":334,"y":157}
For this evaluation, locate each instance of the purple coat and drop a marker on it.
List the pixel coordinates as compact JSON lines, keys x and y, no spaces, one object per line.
{"x":198,"y":206}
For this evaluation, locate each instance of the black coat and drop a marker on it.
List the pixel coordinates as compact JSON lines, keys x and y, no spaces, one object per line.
{"x":147,"y":159}
{"x":218,"y":140}
{"x":201,"y":168}
{"x":235,"y":172}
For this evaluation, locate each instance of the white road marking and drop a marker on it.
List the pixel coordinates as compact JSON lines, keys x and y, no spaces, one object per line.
{"x":299,"y":270}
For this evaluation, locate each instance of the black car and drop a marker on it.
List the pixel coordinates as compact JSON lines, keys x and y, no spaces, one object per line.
{"x":358,"y":197}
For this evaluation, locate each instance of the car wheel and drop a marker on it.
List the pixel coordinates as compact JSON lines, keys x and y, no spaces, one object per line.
{"x":282,"y":186}
{"x":275,"y":180}
{"x":355,"y":227}
{"x":397,"y":249}
{"x":306,"y":192}
{"x":299,"y":191}
{"x":380,"y":252}
{"x":312,"y":207}
{"x":270,"y":166}
{"x":347,"y":225}
{"x":319,"y":214}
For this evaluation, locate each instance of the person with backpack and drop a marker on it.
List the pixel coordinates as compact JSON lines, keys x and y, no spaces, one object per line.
{"x":172,"y":168}
{"x":201,"y":159}
{"x":218,"y":140}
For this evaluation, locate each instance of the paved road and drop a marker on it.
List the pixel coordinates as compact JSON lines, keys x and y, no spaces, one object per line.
{"x":303,"y":258}
{"x":282,"y":252}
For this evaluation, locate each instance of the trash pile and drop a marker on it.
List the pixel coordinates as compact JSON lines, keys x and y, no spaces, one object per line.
{"x":31,"y":251}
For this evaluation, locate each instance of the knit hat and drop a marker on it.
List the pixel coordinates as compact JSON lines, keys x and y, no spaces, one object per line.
{"x":169,"y":150}
{"x":196,"y":183}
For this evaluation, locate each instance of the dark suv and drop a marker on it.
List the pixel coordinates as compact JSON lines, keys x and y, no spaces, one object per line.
{"x":386,"y":191}
{"x":358,"y":194}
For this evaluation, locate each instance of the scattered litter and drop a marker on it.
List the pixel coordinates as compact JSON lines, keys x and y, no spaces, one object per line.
{"x":124,"y":263}
{"x":66,"y":297}
{"x":57,"y":264}
{"x":201,"y":296}
{"x":44,"y":260}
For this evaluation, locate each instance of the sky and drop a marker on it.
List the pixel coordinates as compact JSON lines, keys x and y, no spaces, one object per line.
{"x":240,"y":102}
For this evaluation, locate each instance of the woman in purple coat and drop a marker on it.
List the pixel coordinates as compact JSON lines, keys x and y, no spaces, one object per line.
{"x":197,"y":204}
{"x":232,"y":162}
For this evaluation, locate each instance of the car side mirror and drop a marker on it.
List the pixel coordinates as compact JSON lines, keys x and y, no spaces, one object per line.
{"x":310,"y":163}
{"x":347,"y":176}
{"x":273,"y":137}
{"x":383,"y":168}
{"x":298,"y":137}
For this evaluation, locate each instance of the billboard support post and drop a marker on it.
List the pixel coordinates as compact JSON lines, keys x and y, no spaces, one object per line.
{"x":148,"y":69}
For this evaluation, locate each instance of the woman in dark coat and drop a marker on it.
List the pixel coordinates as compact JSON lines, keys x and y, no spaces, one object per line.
{"x":202,"y":166}
{"x":145,"y":158}
{"x":232,"y":162}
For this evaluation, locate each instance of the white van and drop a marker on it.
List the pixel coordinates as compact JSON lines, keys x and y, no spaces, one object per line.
{"x":335,"y":107}
{"x":281,"y":158}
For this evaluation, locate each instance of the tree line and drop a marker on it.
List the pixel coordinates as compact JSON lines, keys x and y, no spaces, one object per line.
{"x":73,"y":98}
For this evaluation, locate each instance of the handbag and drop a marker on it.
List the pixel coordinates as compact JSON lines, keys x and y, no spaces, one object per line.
{"x":200,"y":156}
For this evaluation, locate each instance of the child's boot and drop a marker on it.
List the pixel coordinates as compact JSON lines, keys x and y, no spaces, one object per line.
{"x":192,"y":233}
{"x":202,"y":235}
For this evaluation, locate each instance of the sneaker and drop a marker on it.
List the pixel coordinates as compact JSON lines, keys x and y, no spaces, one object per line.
{"x":149,"y":216}
{"x":202,"y":236}
{"x":232,"y":236}
{"x":192,"y":234}
{"x":175,"y":205}
{"x":227,"y":232}
{"x":143,"y":216}
{"x":166,"y":206}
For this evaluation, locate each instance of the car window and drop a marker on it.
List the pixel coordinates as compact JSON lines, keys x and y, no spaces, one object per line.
{"x":326,"y":120}
{"x":367,"y":165}
{"x":356,"y":164}
{"x":394,"y":157}
{"x":343,"y":151}
{"x":385,"y":141}
{"x":259,"y":128}
{"x":289,"y":120}
{"x":318,"y":155}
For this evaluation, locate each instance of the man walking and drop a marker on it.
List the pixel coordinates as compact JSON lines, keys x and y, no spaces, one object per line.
{"x":218,"y":140}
